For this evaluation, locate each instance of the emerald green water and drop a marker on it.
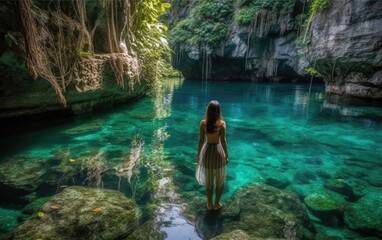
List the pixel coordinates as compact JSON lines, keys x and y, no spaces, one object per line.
{"x":147,"y":149}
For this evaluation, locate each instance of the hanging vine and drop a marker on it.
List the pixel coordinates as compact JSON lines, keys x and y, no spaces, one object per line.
{"x":58,"y":42}
{"x":38,"y":61}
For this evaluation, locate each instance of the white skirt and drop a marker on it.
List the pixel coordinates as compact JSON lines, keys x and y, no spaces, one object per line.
{"x":211,"y":165}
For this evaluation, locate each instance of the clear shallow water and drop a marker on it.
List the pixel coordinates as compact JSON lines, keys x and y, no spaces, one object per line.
{"x":148,"y":148}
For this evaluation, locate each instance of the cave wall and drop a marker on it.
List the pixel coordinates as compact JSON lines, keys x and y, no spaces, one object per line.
{"x":346,"y":48}
{"x":265,"y":52}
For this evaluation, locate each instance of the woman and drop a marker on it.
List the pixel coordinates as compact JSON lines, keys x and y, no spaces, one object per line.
{"x":212,"y":155}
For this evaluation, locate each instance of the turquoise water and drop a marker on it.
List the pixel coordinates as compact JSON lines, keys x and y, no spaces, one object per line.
{"x":276,"y":134}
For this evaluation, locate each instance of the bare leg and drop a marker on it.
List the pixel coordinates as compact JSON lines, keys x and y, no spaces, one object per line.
{"x":209,"y":188}
{"x":209,"y":192}
{"x":219,"y":191}
{"x":220,"y":177}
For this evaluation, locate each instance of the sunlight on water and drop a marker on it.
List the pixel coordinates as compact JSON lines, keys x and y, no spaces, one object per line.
{"x":147,"y":149}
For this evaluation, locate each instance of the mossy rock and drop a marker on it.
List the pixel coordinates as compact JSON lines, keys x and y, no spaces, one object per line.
{"x":366,"y":214}
{"x":343,"y":187}
{"x":263,"y":211}
{"x":82,"y":213}
{"x":35,"y":205}
{"x":322,"y":202}
{"x":149,"y":230}
{"x":327,"y":206}
{"x":237,"y":235}
{"x":86,"y":127}
{"x":21,"y":175}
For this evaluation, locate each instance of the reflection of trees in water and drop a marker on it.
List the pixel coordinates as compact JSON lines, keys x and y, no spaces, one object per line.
{"x":162,"y":97}
{"x":129,"y":166}
{"x":94,"y":166}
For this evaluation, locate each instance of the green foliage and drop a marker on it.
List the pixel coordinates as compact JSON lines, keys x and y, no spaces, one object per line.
{"x":149,"y":38}
{"x":312,"y":71}
{"x":249,"y":8}
{"x":319,"y":5}
{"x":316,"y":6}
{"x":84,"y":53}
{"x":208,"y":23}
{"x":300,"y":42}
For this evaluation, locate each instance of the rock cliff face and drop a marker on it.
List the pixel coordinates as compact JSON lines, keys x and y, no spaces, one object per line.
{"x":246,"y":57}
{"x":346,"y":49}
{"x":70,"y":57}
{"x":22,"y":96}
{"x":264,"y":50}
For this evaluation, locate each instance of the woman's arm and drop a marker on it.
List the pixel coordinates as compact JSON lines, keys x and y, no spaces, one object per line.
{"x":201,"y":140}
{"x":224,"y":141}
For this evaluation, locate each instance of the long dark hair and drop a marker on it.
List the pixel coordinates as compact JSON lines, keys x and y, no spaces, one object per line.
{"x":213,"y":116}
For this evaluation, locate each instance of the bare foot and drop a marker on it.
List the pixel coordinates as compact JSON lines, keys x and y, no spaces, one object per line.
{"x":218,"y":206}
{"x":209,"y":207}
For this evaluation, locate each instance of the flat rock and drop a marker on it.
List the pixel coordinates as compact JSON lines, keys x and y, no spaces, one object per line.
{"x":82,"y":213}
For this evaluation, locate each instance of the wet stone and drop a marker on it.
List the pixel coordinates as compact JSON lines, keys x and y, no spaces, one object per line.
{"x":82,"y":213}
{"x":327,"y":206}
{"x":275,"y":179}
{"x":21,"y":175}
{"x":282,"y":213}
{"x":148,"y":230}
{"x":341,"y":186}
{"x":365,"y":215}
{"x":375,"y":177}
{"x":304,"y":176}
{"x":237,"y":235}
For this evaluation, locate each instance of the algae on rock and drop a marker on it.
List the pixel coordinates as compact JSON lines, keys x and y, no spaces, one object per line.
{"x":82,"y":213}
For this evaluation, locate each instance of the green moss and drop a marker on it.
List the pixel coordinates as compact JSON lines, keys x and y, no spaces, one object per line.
{"x":208,"y":23}
{"x":249,"y":8}
{"x":321,"y":202}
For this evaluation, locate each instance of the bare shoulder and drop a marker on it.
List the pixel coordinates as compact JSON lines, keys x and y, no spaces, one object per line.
{"x":222,"y":123}
{"x":203,"y":122}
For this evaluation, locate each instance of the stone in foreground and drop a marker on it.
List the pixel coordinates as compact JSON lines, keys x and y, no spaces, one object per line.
{"x":82,"y":213}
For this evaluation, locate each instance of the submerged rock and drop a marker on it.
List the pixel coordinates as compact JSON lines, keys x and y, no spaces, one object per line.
{"x":237,"y":235}
{"x":275,"y":179}
{"x":34,"y":206}
{"x":343,"y":187}
{"x":304,"y":176}
{"x":366,"y":214}
{"x":327,"y":206}
{"x":265,"y":212}
{"x":149,"y":230}
{"x":324,"y":203}
{"x":8,"y":221}
{"x":82,"y":213}
{"x":21,"y":175}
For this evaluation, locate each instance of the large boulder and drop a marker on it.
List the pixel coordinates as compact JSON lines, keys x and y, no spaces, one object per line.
{"x":262,"y":211}
{"x":237,"y":235}
{"x":327,"y":206}
{"x":21,"y":175}
{"x":366,"y":214}
{"x":82,"y":213}
{"x":346,"y":49}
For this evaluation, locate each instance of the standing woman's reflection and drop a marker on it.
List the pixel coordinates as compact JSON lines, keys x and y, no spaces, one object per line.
{"x":212,"y":155}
